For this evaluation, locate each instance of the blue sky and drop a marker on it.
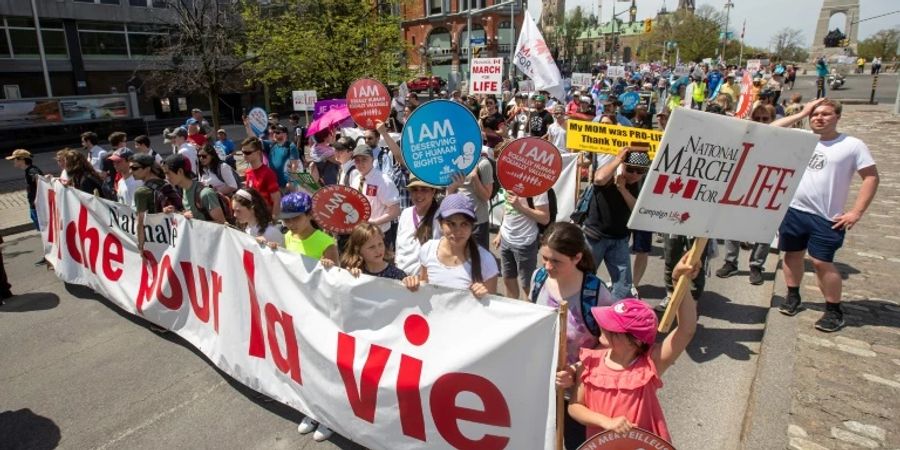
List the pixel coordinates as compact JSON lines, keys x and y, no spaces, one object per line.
{"x":764,"y":17}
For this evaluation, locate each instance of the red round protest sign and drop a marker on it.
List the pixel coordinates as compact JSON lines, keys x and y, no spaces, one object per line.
{"x":635,"y":439}
{"x":368,"y":101}
{"x":339,"y":209}
{"x":529,"y":166}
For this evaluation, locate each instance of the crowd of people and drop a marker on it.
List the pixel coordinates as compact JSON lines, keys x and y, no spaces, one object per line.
{"x":420,"y":233}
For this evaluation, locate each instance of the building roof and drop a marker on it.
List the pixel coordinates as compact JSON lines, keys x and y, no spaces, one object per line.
{"x":624,"y":29}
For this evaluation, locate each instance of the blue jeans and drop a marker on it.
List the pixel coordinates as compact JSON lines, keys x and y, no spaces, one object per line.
{"x":34,"y":219}
{"x":617,"y":257}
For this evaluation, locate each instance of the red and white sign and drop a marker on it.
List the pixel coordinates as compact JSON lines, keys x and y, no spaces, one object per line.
{"x":635,"y":439}
{"x":368,"y":101}
{"x":745,"y":100}
{"x":719,"y":177}
{"x":339,"y":209}
{"x":382,"y":366}
{"x":486,"y":76}
{"x":304,"y":100}
{"x":529,"y":166}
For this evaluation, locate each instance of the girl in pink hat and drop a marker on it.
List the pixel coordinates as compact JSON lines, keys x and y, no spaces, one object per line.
{"x":617,"y":382}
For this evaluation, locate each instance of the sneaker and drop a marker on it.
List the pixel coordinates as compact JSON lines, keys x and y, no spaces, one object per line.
{"x":634,"y":292}
{"x":40,"y":262}
{"x":756,"y":277}
{"x":307,"y":425}
{"x":831,"y":321}
{"x":322,"y":433}
{"x":662,"y":306}
{"x":728,"y":269}
{"x":790,"y":306}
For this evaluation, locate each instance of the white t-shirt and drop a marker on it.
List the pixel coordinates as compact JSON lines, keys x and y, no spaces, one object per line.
{"x":97,"y":155}
{"x":379,"y":190}
{"x":459,"y":277}
{"x":190,"y":152}
{"x":272,"y":233}
{"x":406,"y":249}
{"x":125,"y":190}
{"x":826,"y":182}
{"x":209,"y":178}
{"x":558,"y":137}
{"x":519,"y":230}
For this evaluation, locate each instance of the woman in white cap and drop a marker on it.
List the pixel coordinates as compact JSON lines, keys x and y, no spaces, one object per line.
{"x":418,"y":224}
{"x":456,"y":260}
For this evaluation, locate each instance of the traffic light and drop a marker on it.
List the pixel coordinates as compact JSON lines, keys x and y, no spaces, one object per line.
{"x":648,"y":25}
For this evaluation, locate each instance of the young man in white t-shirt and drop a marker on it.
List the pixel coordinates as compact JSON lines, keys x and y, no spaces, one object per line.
{"x":519,"y":242}
{"x":557,"y":131}
{"x":816,"y":220}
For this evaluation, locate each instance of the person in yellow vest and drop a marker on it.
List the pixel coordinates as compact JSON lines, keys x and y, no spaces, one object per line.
{"x":730,"y":89}
{"x":699,"y":92}
{"x":860,"y":65}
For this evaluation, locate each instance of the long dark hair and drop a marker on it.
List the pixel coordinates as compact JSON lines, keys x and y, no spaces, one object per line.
{"x":257,"y":205}
{"x":426,"y":226}
{"x":473,"y":252}
{"x":78,"y":167}
{"x":568,"y":239}
{"x":215,"y":164}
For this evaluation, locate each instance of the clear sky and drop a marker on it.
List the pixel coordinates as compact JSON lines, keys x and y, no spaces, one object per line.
{"x":764,"y":17}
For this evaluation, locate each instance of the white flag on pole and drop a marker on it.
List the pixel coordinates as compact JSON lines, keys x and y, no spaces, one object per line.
{"x":534,"y":59}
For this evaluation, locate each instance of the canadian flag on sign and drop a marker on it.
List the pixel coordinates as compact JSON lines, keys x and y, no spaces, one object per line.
{"x":675,"y":187}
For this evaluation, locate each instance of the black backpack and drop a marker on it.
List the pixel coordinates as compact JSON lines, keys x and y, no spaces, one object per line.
{"x":551,"y":197}
{"x":495,"y":188}
{"x":224,"y":203}
{"x":164,"y":195}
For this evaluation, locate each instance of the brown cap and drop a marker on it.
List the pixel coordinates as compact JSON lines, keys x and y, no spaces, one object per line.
{"x":19,"y":154}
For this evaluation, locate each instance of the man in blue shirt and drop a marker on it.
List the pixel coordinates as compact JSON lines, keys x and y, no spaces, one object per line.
{"x":224,"y":147}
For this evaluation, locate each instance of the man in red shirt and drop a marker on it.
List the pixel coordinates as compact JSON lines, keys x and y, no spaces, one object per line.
{"x":260,"y":176}
{"x":195,"y":134}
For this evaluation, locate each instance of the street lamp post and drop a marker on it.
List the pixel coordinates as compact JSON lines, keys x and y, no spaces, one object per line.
{"x":728,"y":5}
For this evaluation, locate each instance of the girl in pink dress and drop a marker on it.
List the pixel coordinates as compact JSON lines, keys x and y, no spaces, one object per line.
{"x":617,"y":381}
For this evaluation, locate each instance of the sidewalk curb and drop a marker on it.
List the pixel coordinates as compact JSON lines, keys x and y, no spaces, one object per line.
{"x":768,"y":409}
{"x":16,"y":229}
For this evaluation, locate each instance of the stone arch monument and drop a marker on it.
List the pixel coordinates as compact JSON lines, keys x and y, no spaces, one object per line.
{"x":850,"y":8}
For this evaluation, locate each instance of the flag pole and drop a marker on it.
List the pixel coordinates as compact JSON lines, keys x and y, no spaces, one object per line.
{"x":560,"y":366}
{"x":741,"y":56}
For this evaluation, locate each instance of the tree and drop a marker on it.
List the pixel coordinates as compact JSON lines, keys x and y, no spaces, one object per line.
{"x":565,"y":35}
{"x":199,"y":54}
{"x":787,"y":45}
{"x":883,"y":44}
{"x":695,"y":34}
{"x":323,"y":45}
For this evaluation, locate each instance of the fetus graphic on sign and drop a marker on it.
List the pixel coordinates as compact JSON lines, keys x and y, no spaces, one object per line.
{"x":351,"y":214}
{"x":465,"y":160}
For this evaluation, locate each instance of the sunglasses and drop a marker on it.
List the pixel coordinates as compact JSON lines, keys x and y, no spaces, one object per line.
{"x":136,"y":167}
{"x":279,"y":132}
{"x":636,"y":171}
{"x":203,"y":156}
{"x":245,"y":153}
{"x":762,"y":119}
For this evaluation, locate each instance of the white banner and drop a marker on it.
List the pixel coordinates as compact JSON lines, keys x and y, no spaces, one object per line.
{"x":721,"y":177}
{"x":581,"y":79}
{"x":534,"y":59}
{"x":526,"y":86}
{"x":304,"y":100}
{"x":486,"y":76}
{"x":385,"y":367}
{"x":754,"y":65}
{"x":615,"y":72}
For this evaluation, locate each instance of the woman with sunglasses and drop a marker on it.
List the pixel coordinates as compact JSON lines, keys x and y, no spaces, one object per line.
{"x":214,"y":172}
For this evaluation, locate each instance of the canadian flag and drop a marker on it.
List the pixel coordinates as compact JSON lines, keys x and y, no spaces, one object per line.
{"x":675,"y":187}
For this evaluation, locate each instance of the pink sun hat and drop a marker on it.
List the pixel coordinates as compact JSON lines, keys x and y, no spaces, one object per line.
{"x":630,"y":316}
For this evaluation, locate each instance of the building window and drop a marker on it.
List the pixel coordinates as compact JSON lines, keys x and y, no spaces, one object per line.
{"x":110,"y":39}
{"x":435,"y":7}
{"x":465,"y":5}
{"x":148,"y":3}
{"x":99,"y":2}
{"x":18,"y":38}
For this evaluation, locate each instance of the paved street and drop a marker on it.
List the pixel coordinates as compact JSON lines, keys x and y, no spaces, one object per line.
{"x":79,"y":373}
{"x":856,"y":87}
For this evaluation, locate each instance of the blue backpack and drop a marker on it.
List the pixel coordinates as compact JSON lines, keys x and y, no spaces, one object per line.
{"x":590,"y":294}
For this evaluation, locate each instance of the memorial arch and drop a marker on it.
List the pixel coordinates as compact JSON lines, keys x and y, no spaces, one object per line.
{"x":850,"y":29}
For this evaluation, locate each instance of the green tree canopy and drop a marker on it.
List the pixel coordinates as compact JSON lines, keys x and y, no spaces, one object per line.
{"x":323,"y":44}
{"x":695,"y":34}
{"x":883,"y":44}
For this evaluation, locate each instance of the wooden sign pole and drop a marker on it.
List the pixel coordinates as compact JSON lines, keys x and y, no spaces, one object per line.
{"x":682,"y":286}
{"x":560,"y":366}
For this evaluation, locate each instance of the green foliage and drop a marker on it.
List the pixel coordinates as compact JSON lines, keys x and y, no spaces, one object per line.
{"x":696,"y":35}
{"x":564,"y":37}
{"x":883,"y":44}
{"x":787,"y":45}
{"x":323,"y":44}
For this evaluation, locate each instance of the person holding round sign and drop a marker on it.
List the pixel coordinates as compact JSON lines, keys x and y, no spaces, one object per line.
{"x":456,"y":260}
{"x":377,"y":187}
{"x":617,"y":382}
{"x":418,"y":224}
{"x":302,"y":237}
